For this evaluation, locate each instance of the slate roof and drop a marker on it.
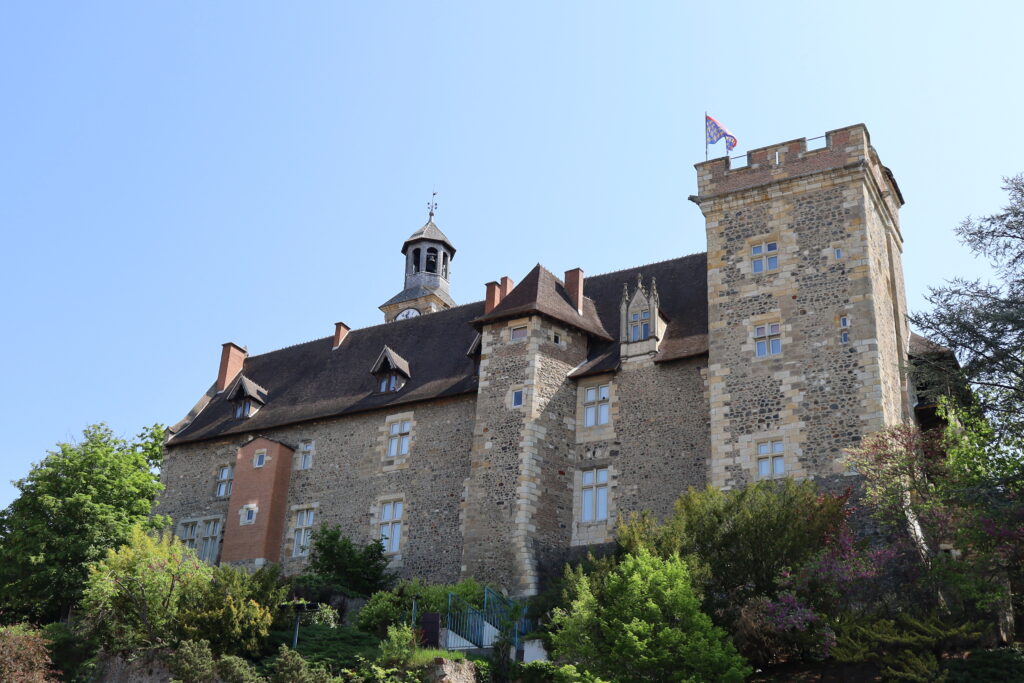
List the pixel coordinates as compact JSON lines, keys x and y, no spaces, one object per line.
{"x":429,"y":231}
{"x":246,"y":387}
{"x":311,"y":381}
{"x":922,"y":346}
{"x":394,"y":360}
{"x":415,"y":292}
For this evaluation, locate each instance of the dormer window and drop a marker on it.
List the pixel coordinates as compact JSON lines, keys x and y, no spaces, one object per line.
{"x":640,"y":326}
{"x":243,"y":408}
{"x":390,"y":372}
{"x":247,"y":396}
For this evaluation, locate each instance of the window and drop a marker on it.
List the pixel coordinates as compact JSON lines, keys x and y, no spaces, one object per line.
{"x":247,"y":515}
{"x":444,"y":264}
{"x":431,"y":260}
{"x":243,"y":408}
{"x":303,"y":532}
{"x":188,"y":534}
{"x":390,"y":381}
{"x":517,"y":398}
{"x":224,"y":477}
{"x":391,"y":526}
{"x":399,"y":434}
{"x":305,"y":455}
{"x":838,"y":253}
{"x":844,"y":329}
{"x":770,"y":460}
{"x":518,"y":333}
{"x":768,"y":340}
{"x":640,"y":326}
{"x":595,"y":405}
{"x":259,"y":459}
{"x":764,"y":257}
{"x":556,"y":339}
{"x":416,"y":260}
{"x":209,"y":541}
{"x":594,"y":498}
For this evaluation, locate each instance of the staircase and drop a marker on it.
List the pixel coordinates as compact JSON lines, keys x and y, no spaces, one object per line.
{"x":470,"y":628}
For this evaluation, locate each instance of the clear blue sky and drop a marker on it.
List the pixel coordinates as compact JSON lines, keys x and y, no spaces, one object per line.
{"x":179,"y":174}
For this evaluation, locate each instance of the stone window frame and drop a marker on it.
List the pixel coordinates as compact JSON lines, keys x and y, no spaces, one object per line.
{"x":596,"y":432}
{"x":513,"y":333}
{"x":399,"y":460}
{"x":257,"y":461}
{"x":199,"y":539}
{"x":638,"y":326}
{"x":758,"y":252}
{"x":377,"y":523}
{"x":767,"y":337}
{"x":843,"y":323}
{"x":596,"y":486}
{"x":222,"y":485}
{"x":596,"y":397}
{"x":771,"y":452}
{"x":244,"y":516}
{"x":304,"y":455}
{"x":305,"y":531}
{"x":597,"y":530}
{"x":518,"y":398}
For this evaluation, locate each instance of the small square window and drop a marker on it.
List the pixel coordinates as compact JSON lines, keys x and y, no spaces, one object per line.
{"x":765,"y":257}
{"x":771,"y":460}
{"x":518,"y":333}
{"x":844,"y":337}
{"x":517,"y":398}
{"x":247,"y":515}
{"x":260,"y":459}
{"x":555,"y":339}
{"x":839,"y":253}
{"x":768,"y":340}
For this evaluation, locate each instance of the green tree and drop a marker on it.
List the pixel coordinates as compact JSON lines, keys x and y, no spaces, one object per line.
{"x":81,"y":500}
{"x":983,"y":322}
{"x":339,"y":566}
{"x":642,"y":622}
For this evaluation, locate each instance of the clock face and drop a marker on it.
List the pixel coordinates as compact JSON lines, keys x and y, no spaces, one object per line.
{"x":407,"y":313}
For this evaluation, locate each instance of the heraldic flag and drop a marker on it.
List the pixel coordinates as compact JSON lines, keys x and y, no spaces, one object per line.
{"x":716,"y":131}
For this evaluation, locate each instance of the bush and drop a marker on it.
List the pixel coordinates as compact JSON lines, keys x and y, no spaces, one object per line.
{"x":1005,"y":665}
{"x":545,"y":672}
{"x":290,"y":667}
{"x":338,"y":566}
{"x":73,"y":653}
{"x":643,"y":621}
{"x":232,"y":669}
{"x":192,"y":662}
{"x":386,"y":608}
{"x":24,"y":656}
{"x":334,"y":648}
{"x":399,"y":646}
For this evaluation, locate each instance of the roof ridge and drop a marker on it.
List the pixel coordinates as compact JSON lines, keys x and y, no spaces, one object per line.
{"x":652,"y":263}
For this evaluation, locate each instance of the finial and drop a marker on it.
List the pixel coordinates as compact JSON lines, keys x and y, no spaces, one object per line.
{"x":431,"y":206}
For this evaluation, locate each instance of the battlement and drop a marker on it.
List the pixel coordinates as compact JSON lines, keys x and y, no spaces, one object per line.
{"x":844,"y":148}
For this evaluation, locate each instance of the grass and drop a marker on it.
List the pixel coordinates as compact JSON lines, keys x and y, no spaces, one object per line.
{"x":426,"y":655}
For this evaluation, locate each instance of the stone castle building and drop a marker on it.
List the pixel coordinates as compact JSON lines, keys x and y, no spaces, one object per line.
{"x":493,"y":438}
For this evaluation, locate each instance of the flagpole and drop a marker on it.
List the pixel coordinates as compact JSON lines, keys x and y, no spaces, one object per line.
{"x":705,"y":136}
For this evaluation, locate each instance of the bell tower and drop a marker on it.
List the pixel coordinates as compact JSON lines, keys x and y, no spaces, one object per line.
{"x":428,"y":257}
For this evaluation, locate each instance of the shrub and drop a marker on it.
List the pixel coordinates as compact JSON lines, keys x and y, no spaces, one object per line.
{"x":399,"y":646}
{"x":368,"y":672}
{"x":232,"y":669}
{"x":192,"y":662}
{"x":24,"y":656}
{"x":73,"y":652}
{"x":1005,"y":665}
{"x":290,"y":667}
{"x":545,"y":672}
{"x":334,"y":648}
{"x":643,"y":621}
{"x":338,"y":566}
{"x":394,"y":606}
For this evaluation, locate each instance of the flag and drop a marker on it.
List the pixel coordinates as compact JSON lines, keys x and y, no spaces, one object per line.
{"x":716,"y":131}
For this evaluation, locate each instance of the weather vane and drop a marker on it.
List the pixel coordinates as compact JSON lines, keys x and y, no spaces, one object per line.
{"x":432,"y":206}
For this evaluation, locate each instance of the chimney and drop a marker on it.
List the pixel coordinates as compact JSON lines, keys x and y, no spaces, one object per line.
{"x":231,"y":358}
{"x":506,"y":286}
{"x":574,"y":286}
{"x":493,"y":296}
{"x":340,"y":332}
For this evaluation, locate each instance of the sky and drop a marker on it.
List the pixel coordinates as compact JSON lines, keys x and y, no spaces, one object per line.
{"x":176,"y":175}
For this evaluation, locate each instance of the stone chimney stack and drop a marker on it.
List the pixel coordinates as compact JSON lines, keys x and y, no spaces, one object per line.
{"x":232,"y":356}
{"x":574,"y":286}
{"x":340,"y":332}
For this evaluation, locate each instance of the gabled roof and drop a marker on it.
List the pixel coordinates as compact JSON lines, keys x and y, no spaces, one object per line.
{"x":431,"y":232}
{"x":542,"y":292}
{"x":394,"y":361}
{"x":246,"y":388}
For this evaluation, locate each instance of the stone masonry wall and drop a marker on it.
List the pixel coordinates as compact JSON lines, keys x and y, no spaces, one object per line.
{"x":819,"y":395}
{"x":351,"y":476}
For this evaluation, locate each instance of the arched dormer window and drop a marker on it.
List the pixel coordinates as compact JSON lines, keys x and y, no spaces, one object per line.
{"x":444,"y":265}
{"x":416,"y":260}
{"x":431,"y":260}
{"x":390,"y":372}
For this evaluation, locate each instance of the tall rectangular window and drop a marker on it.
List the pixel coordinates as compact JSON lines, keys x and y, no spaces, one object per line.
{"x":770,"y":459}
{"x":594,"y":495}
{"x":305,"y":455}
{"x":224,"y":477}
{"x":303,"y":531}
{"x":209,"y":542}
{"x":189,"y":532}
{"x":259,"y":459}
{"x":399,"y":434}
{"x":639,"y":326}
{"x":764,"y":257}
{"x":391,"y":525}
{"x":595,"y":405}
{"x":768,"y":339}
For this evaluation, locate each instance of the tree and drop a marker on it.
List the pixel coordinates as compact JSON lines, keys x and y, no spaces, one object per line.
{"x":339,"y":566}
{"x":81,"y":500}
{"x":642,"y":622}
{"x":983,"y":323}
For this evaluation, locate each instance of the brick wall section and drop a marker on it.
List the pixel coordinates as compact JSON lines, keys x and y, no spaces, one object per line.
{"x":520,"y":487}
{"x":266,"y":488}
{"x":819,"y":395}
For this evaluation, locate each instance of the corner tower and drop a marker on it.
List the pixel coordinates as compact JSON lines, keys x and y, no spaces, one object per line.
{"x":428,"y":257}
{"x":806,"y":307}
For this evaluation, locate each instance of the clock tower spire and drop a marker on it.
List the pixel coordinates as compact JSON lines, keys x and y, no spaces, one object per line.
{"x":428,"y":257}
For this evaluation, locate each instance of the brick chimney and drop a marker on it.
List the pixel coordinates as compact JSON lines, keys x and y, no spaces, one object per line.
{"x":506,"y":286}
{"x":493,"y":296}
{"x":340,"y":332}
{"x":231,"y":358}
{"x":574,"y":286}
